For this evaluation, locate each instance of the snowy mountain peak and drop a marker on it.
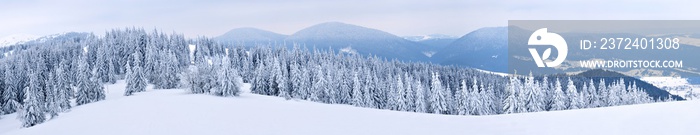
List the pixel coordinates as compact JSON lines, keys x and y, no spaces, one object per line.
{"x":16,"y":39}
{"x":342,"y":31}
{"x":248,"y":34}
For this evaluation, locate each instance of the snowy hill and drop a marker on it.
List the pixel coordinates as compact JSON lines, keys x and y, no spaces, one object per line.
{"x":675,"y":85}
{"x":485,"y":48}
{"x":15,"y":39}
{"x":175,"y":112}
{"x":363,"y":40}
{"x":250,"y":36}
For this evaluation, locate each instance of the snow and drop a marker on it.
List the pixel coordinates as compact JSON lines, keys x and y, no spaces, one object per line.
{"x":675,"y":85}
{"x":348,"y":50}
{"x":192,"y":48}
{"x":429,"y":53}
{"x":16,"y":39}
{"x":493,"y":72}
{"x":176,"y":112}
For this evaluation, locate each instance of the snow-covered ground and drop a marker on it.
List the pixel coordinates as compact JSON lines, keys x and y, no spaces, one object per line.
{"x":175,"y":112}
{"x":15,"y":39}
{"x":675,"y":85}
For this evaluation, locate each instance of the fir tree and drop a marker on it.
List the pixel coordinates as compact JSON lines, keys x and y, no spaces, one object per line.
{"x":32,"y":112}
{"x":572,"y":94}
{"x":559,"y":101}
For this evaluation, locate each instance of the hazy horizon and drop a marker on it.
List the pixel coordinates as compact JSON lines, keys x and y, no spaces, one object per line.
{"x":399,"y":17}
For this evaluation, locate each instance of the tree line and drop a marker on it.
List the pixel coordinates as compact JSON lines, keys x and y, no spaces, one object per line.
{"x":41,"y":79}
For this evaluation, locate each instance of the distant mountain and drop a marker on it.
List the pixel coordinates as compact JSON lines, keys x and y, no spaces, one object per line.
{"x":611,"y":76}
{"x":15,"y":39}
{"x":250,"y":36}
{"x":485,"y":48}
{"x":351,"y":38}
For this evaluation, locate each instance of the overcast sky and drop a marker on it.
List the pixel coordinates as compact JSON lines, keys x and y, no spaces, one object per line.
{"x":400,"y":17}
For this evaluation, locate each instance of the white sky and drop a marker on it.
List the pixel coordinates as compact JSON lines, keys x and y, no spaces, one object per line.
{"x":401,"y":17}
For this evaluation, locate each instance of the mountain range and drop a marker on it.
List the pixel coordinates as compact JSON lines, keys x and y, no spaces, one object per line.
{"x":485,"y":48}
{"x":348,"y":38}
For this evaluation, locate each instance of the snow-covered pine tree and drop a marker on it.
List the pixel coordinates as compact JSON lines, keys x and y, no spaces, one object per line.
{"x":52,"y":101}
{"x":572,"y":95}
{"x":63,"y":86}
{"x":103,"y":63}
{"x":229,"y":81}
{"x":169,"y":71}
{"x":299,"y":80}
{"x":532,"y":95}
{"x":603,"y":93}
{"x":32,"y":112}
{"x":9,"y":95}
{"x":260,"y":75}
{"x":583,"y":96}
{"x":400,"y":95}
{"x":438,"y":101}
{"x":420,"y":102}
{"x":368,"y":89}
{"x":135,"y":77}
{"x":593,"y":100}
{"x":462,"y":100}
{"x":510,"y":104}
{"x":409,"y":93}
{"x":547,"y":95}
{"x":357,"y":99}
{"x":97,"y":90}
{"x":280,"y":81}
{"x":345,"y":86}
{"x":615,"y":91}
{"x":559,"y":99}
{"x":83,"y":82}
{"x":318,"y":86}
{"x":476,"y":104}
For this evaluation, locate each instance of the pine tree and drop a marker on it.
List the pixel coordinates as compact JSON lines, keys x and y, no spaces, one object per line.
{"x":367,"y":90}
{"x":318,"y":86}
{"x":572,"y":95}
{"x":409,"y":93}
{"x":510,"y":104}
{"x":97,"y":91}
{"x":475,"y":101}
{"x":603,"y":94}
{"x":135,"y":77}
{"x":84,"y":83}
{"x":420,"y":102}
{"x":357,"y":97}
{"x":559,"y":101}
{"x":280,"y":81}
{"x":229,"y":81}
{"x":399,"y":95}
{"x":63,"y":86}
{"x":593,"y":99}
{"x":52,"y":94}
{"x":438,"y":101}
{"x":9,"y":95}
{"x":463,"y":101}
{"x":32,"y":112}
{"x":299,"y":80}
{"x":169,"y":70}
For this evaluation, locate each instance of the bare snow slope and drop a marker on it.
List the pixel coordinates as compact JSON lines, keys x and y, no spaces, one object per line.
{"x":175,"y":112}
{"x":15,"y":39}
